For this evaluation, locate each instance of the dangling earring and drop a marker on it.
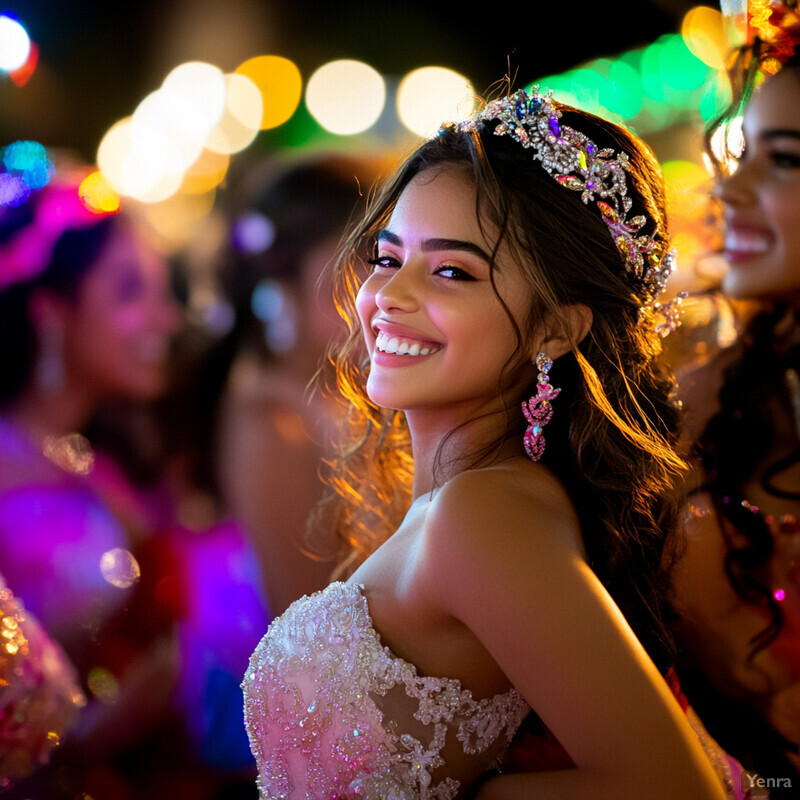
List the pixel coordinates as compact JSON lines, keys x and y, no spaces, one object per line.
{"x":49,"y":366}
{"x":538,"y":410}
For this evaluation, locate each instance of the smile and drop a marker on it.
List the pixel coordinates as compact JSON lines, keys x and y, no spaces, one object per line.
{"x":402,"y":347}
{"x":750,"y":242}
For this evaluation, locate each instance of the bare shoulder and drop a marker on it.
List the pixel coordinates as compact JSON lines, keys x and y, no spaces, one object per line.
{"x":517,"y":489}
{"x":517,"y":510}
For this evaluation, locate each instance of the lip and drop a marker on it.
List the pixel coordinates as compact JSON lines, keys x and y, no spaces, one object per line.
{"x":745,"y":241}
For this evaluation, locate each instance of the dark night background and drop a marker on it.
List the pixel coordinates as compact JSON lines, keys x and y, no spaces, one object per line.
{"x":97,"y":60}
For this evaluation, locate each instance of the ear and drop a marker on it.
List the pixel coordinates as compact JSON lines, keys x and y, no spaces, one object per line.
{"x":569,"y":329}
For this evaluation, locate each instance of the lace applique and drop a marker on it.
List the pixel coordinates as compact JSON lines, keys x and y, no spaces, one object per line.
{"x":312,"y":693}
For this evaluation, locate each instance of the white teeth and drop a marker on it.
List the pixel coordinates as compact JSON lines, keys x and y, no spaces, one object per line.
{"x":402,"y":348}
{"x":746,"y":242}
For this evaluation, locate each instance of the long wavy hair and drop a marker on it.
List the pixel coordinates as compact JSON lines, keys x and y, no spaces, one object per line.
{"x":734,"y":442}
{"x":740,"y":435}
{"x":612,"y":439}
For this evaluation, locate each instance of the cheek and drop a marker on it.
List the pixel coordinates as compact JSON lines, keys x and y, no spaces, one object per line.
{"x":129,"y":320}
{"x":365,"y":305}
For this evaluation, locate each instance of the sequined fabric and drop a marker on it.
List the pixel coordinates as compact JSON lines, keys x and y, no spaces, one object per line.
{"x":39,"y":692}
{"x":332,"y":713}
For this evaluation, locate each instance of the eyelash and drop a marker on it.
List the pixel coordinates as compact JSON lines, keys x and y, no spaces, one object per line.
{"x":383,"y":261}
{"x":388,"y":262}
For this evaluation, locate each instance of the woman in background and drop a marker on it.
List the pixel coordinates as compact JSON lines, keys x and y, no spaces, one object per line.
{"x":738,"y":585}
{"x":86,"y":316}
{"x":245,"y":431}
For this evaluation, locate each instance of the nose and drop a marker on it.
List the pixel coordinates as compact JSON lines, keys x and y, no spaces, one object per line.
{"x":401,"y":291}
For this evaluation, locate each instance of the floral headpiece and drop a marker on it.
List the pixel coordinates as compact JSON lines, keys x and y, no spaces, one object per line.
{"x":25,"y":170}
{"x":774,"y":23}
{"x":577,"y":163}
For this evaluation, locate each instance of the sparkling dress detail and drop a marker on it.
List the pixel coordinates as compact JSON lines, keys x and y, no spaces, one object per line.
{"x":39,"y":693}
{"x":333,"y":713}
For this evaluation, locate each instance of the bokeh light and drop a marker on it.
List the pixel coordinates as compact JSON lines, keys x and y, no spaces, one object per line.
{"x":346,"y":97}
{"x":680,"y":68}
{"x":429,"y":96}
{"x":119,"y":567}
{"x":103,"y":685}
{"x":122,"y":166}
{"x":703,"y":32}
{"x":15,"y":44}
{"x":195,"y":92}
{"x":241,"y":117}
{"x":207,"y":172}
{"x":281,"y":86}
{"x":98,"y":195}
{"x":28,"y":160}
{"x":159,"y":136}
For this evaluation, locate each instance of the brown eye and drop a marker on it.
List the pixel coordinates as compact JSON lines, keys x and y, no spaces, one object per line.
{"x":454,"y":273}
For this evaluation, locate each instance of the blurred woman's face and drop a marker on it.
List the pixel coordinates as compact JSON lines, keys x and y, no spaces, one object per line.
{"x":119,"y":329}
{"x":762,"y":198}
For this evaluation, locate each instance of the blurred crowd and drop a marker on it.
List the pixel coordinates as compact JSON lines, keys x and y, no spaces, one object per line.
{"x":160,"y":455}
{"x":159,"y":460}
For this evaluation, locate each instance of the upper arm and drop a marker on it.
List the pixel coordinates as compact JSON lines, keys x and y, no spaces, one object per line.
{"x":511,"y":569}
{"x":270,"y":480}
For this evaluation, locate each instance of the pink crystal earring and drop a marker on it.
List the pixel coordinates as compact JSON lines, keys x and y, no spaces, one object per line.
{"x":538,"y":410}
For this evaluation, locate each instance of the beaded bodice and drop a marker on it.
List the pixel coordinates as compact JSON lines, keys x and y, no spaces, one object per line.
{"x":333,"y":713}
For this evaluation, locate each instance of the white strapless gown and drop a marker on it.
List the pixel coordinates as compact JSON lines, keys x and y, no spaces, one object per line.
{"x":332,"y":713}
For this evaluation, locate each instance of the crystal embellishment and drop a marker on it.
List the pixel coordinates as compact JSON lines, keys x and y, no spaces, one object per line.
{"x":599,"y":174}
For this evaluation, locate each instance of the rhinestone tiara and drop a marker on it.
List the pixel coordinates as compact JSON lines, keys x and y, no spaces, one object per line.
{"x":577,"y":163}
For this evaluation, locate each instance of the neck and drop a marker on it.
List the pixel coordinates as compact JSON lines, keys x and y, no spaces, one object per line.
{"x":443,"y":448}
{"x":42,"y":413}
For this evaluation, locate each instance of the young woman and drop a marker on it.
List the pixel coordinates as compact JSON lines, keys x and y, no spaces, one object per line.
{"x":528,"y":573}
{"x":85,"y":316}
{"x":738,"y":587}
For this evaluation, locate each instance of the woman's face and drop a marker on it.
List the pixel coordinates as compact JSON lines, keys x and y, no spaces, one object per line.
{"x":437,"y":333}
{"x":762,"y":198}
{"x":118,"y":331}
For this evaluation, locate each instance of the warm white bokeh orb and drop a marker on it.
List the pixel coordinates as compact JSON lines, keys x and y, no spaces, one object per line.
{"x":195,"y":93}
{"x":429,"y":96}
{"x":241,"y":119}
{"x":346,"y":97}
{"x":15,"y":44}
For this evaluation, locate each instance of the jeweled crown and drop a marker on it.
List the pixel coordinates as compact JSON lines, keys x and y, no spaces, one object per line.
{"x":599,"y":174}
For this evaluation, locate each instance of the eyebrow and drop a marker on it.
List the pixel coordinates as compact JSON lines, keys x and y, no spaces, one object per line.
{"x":433,"y":245}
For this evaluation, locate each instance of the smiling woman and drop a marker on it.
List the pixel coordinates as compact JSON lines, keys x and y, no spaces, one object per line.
{"x":738,"y":587}
{"x":762,"y":238}
{"x":85,"y":316}
{"x":430,"y":303}
{"x":476,"y":269}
